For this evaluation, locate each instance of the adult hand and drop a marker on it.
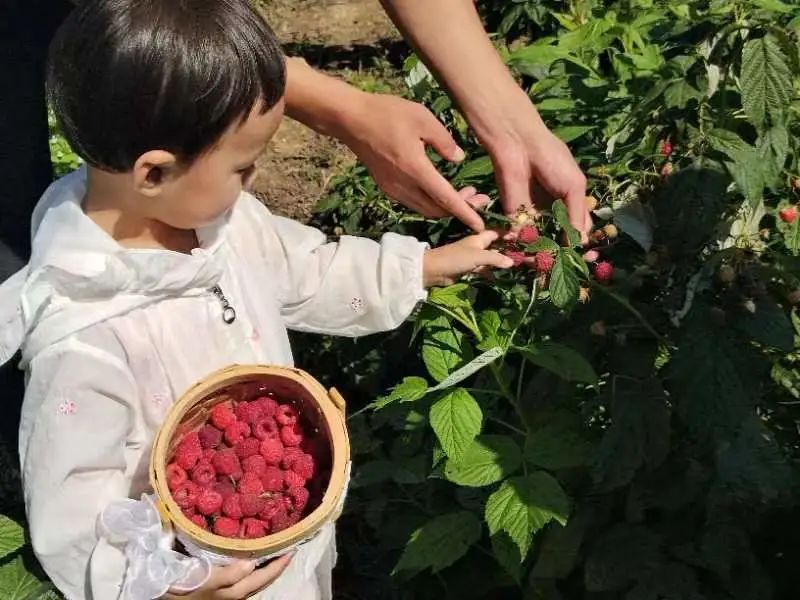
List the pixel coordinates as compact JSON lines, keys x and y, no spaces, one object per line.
{"x":236,"y":581}
{"x":390,"y":136}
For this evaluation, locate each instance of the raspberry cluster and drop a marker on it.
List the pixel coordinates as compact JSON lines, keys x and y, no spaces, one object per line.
{"x":250,"y":471}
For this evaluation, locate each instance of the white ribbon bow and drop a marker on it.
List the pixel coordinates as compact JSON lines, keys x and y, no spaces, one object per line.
{"x":153,"y":566}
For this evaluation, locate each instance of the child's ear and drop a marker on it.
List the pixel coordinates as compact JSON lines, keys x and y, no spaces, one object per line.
{"x":152,"y":171}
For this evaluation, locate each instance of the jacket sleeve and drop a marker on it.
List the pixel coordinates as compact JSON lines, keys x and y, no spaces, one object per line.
{"x":74,"y":438}
{"x":351,"y":287}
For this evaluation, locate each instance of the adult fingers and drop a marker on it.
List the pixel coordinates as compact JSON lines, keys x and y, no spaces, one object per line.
{"x":578,"y":211}
{"x":258,"y":579}
{"x":513,"y":180}
{"x":228,"y":575}
{"x":446,"y":197}
{"x":436,"y":134}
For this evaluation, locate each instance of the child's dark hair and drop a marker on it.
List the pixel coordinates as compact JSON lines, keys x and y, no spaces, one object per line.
{"x":128,"y":76}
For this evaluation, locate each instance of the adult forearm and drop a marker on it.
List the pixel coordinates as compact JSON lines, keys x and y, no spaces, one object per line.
{"x":319,"y":101}
{"x":450,"y":37}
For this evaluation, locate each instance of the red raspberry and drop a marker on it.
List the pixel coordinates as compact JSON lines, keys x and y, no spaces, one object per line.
{"x":289,"y":456}
{"x":515,"y":255}
{"x":293,"y":480}
{"x":272,"y":479}
{"x":267,"y":405}
{"x":266,"y":429}
{"x":222,"y":416}
{"x":528,"y":234}
{"x":204,"y":474}
{"x":603,"y":271}
{"x":299,"y":498}
{"x":208,"y":454}
{"x":210,"y":436}
{"x":189,"y":512}
{"x":199,"y":520}
{"x":247,"y":447}
{"x":279,"y":522}
{"x":226,"y":527}
{"x":209,"y":502}
{"x":187,"y":454}
{"x":294,"y":518}
{"x":236,"y":432}
{"x":251,"y":484}
{"x":272,"y":506}
{"x":225,"y":487}
{"x":253,"y":528}
{"x":286,"y":415}
{"x":175,"y":476}
{"x":254,"y":464}
{"x":304,"y":466}
{"x":192,"y":439}
{"x":271,"y":451}
{"x":788,"y":214}
{"x":248,"y":412}
{"x":227,"y":463}
{"x":251,"y":505}
{"x":544,"y":262}
{"x":292,"y":435}
{"x":666,"y":148}
{"x":185,"y":495}
{"x":232,"y":507}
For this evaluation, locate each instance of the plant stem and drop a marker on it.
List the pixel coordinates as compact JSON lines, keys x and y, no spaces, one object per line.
{"x":509,"y":425}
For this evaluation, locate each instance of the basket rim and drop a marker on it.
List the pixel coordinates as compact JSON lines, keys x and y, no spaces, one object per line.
{"x":311,"y":523}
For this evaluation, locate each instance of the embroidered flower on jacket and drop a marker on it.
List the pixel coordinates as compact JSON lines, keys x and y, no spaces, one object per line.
{"x":67,"y":407}
{"x":159,"y":398}
{"x":357,"y":304}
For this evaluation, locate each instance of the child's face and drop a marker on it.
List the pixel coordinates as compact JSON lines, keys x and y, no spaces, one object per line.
{"x":210,"y":186}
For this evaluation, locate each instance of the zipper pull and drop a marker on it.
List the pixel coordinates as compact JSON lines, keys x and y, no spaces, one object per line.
{"x":228,"y":312}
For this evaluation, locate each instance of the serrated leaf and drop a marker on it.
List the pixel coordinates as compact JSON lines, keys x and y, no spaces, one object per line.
{"x":456,"y":419}
{"x":487,"y":460}
{"x":443,"y":349}
{"x":560,"y":549}
{"x":727,"y":142}
{"x":453,"y":296}
{"x":773,"y":148}
{"x":768,"y":325}
{"x":469,"y":369}
{"x":408,"y":390}
{"x":558,"y":444}
{"x":17,"y":583}
{"x":506,"y":553}
{"x":440,"y":542}
{"x":570,"y":133}
{"x":564,"y":287}
{"x":561,"y":215}
{"x":476,"y":169}
{"x":766,"y":80}
{"x":543,"y":244}
{"x":523,"y":505}
{"x":679,"y":93}
{"x":639,"y":433}
{"x":561,"y":360}
{"x":12,"y":536}
{"x":494,"y":330}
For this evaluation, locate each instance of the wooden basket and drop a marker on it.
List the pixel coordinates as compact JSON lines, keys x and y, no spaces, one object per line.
{"x":324,"y":409}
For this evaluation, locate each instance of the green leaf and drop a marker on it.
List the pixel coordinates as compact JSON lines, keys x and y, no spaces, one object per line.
{"x":507,"y":554}
{"x":727,"y":142}
{"x":17,"y":583}
{"x":560,"y":549}
{"x":494,"y":330}
{"x":555,"y":104}
{"x":476,"y":169}
{"x":564,"y":285}
{"x":768,"y":325}
{"x":766,"y":80}
{"x":680,"y":93}
{"x":523,"y":505}
{"x":440,"y":542}
{"x":558,"y":444}
{"x":443,"y":348}
{"x":12,"y":536}
{"x":569,"y":133}
{"x":543,"y":244}
{"x":561,"y":360}
{"x":562,"y":218}
{"x":452,"y":297}
{"x":456,"y":418}
{"x":487,"y":460}
{"x":469,"y":369}
{"x":639,"y":434}
{"x":408,"y":390}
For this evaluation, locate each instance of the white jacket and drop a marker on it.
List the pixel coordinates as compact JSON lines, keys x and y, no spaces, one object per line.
{"x":110,"y":337}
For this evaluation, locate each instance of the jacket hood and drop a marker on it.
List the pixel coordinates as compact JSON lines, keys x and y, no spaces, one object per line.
{"x":78,"y":275}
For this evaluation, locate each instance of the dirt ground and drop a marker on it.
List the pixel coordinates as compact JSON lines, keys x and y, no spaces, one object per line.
{"x":350,"y":39}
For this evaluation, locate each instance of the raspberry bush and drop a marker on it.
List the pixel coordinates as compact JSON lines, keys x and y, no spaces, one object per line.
{"x":621,"y":422}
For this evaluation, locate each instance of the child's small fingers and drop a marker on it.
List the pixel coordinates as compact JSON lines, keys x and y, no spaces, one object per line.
{"x":230,"y":574}
{"x":259,"y":579}
{"x":489,"y":258}
{"x":479,"y":201}
{"x":467,"y":192}
{"x":484,"y":239}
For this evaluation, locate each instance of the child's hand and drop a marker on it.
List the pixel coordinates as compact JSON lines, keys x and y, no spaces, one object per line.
{"x":235,"y":582}
{"x":444,"y":265}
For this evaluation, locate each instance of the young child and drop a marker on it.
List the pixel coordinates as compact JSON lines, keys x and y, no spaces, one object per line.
{"x":152,"y":267}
